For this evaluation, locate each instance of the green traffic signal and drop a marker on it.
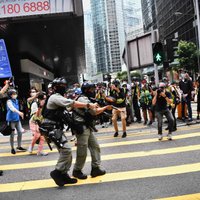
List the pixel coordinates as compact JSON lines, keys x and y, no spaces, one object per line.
{"x":158,"y":54}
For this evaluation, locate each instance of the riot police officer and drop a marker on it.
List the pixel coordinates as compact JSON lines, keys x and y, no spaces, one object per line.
{"x":53,"y":121}
{"x":86,"y":139}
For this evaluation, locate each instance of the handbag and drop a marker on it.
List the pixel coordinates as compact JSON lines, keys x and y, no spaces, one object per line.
{"x":5,"y":129}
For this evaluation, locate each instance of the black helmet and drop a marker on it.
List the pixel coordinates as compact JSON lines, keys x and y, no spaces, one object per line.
{"x":11,"y":92}
{"x":59,"y":85}
{"x":85,"y":89}
{"x":116,"y":83}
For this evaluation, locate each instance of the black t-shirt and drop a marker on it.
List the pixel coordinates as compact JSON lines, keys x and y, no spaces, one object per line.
{"x":119,"y":96}
{"x":161,"y":103}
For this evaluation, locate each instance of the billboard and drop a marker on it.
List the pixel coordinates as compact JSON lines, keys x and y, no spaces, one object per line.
{"x":5,"y":70}
{"x":19,"y":8}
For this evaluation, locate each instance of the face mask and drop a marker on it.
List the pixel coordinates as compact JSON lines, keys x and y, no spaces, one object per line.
{"x":14,"y":96}
{"x":33,"y":94}
{"x":61,"y":90}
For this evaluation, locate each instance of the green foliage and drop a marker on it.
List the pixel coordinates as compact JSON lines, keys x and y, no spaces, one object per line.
{"x":124,"y":76}
{"x":187,"y":52}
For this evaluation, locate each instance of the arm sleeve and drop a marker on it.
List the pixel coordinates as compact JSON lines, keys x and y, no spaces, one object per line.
{"x":34,"y":108}
{"x":10,"y":106}
{"x":64,"y":102}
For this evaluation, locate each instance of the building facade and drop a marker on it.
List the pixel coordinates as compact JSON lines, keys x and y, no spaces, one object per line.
{"x":91,"y":67}
{"x":149,"y":15}
{"x":176,"y":20}
{"x":132,"y":18}
{"x":108,"y":34}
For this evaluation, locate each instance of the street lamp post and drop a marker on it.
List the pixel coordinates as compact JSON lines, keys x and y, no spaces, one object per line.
{"x":197,"y":29}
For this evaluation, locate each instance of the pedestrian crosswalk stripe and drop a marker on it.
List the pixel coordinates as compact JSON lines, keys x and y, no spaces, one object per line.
{"x":183,"y":197}
{"x":143,"y":141}
{"x":106,"y":157}
{"x":102,"y":137}
{"x":99,"y":138}
{"x":111,"y":177}
{"x":117,"y":143}
{"x":27,"y":135}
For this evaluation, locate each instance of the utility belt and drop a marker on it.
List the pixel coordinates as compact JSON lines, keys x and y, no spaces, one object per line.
{"x":52,"y":133}
{"x":88,"y":121}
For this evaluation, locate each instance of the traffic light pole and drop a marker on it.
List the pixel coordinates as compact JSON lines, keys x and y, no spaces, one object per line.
{"x":154,"y":40}
{"x":128,"y":73}
{"x":156,"y":74}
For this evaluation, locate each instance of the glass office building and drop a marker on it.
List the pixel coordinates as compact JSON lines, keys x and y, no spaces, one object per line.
{"x":108,"y":34}
{"x":149,"y":15}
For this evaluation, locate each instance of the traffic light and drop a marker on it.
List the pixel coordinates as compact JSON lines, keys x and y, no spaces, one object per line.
{"x":158,"y":54}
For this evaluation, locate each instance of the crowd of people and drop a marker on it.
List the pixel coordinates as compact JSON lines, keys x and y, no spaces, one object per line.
{"x":89,"y":104}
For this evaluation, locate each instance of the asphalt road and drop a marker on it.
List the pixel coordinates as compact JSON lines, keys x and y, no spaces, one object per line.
{"x":138,"y":167}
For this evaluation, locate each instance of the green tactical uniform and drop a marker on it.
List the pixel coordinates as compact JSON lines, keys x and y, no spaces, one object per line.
{"x":86,"y":140}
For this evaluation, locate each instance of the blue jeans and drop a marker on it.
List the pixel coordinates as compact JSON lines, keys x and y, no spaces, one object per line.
{"x":187,"y":101}
{"x":18,"y":126}
{"x":170,"y":119}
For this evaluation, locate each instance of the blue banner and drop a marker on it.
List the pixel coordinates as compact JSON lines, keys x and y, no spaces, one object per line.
{"x":5,"y":69}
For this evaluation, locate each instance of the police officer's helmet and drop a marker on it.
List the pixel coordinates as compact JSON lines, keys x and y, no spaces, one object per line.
{"x":86,"y":86}
{"x":59,"y":81}
{"x":116,"y":83}
{"x":11,"y":92}
{"x":78,"y":91}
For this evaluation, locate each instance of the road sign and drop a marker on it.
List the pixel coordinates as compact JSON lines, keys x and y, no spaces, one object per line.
{"x":5,"y":69}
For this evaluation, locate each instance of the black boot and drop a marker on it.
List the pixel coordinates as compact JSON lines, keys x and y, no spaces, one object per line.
{"x":68,"y":180}
{"x":97,"y":172}
{"x":79,"y":174}
{"x":124,"y":134}
{"x":57,"y":177}
{"x":116,"y":134}
{"x":1,"y":173}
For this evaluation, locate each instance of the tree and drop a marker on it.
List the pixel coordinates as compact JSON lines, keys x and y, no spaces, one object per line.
{"x":124,"y":76}
{"x":188,"y":53}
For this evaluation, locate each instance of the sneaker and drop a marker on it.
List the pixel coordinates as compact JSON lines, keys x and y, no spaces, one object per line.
{"x":145,"y":122}
{"x":21,"y":149}
{"x":190,"y":119}
{"x":79,"y":174}
{"x":30,"y":149}
{"x":1,"y":173}
{"x":160,"y":137}
{"x":124,"y":135}
{"x":42,"y":153}
{"x":116,"y":134}
{"x":150,"y":123}
{"x":13,"y":151}
{"x":169,"y":136}
{"x":97,"y":172}
{"x":167,"y":128}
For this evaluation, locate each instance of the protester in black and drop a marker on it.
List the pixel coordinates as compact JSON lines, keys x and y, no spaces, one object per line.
{"x":160,"y":100}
